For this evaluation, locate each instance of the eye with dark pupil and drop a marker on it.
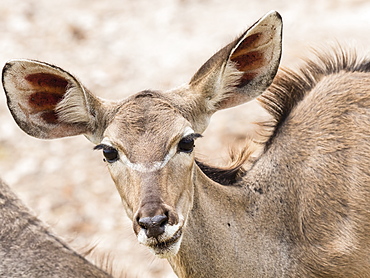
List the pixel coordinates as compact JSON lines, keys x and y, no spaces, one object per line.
{"x":186,"y":145}
{"x":110,"y":154}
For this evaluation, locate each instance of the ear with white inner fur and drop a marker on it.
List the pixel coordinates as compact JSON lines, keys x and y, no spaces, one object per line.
{"x":243,"y":69}
{"x":48,"y":102}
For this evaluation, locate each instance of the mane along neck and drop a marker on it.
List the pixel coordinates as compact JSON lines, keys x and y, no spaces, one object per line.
{"x":287,"y":90}
{"x":290,"y":87}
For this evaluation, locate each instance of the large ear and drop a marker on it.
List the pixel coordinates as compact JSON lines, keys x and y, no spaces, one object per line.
{"x":48,"y":102}
{"x":243,"y":69}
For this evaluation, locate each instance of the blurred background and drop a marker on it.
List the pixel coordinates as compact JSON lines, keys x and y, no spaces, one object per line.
{"x":120,"y":47}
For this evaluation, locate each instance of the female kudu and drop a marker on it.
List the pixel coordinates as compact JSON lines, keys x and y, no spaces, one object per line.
{"x":300,"y":209}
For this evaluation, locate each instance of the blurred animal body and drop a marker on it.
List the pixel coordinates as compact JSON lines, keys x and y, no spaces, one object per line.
{"x":294,"y":204}
{"x":29,"y":249}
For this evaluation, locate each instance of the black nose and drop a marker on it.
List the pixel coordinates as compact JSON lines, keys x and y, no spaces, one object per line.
{"x":153,"y":226}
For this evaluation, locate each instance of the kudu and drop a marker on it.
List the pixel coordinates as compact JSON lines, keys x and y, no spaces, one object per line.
{"x":29,"y":249}
{"x":296,"y":204}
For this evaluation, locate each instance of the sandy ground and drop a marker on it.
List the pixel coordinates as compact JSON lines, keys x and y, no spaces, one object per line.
{"x":121,"y":47}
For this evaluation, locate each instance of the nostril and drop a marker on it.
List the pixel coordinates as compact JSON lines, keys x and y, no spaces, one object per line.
{"x":144,"y":222}
{"x":161,"y":220}
{"x":153,"y":226}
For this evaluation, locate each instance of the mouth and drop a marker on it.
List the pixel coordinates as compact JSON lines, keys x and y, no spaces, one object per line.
{"x":168,"y":247}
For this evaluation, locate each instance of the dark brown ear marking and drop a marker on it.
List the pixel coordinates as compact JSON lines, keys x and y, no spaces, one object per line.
{"x":251,"y":42}
{"x":50,"y":117}
{"x":47,"y":81}
{"x":40,"y":101}
{"x":246,"y":78}
{"x":50,"y":90}
{"x":249,"y":61}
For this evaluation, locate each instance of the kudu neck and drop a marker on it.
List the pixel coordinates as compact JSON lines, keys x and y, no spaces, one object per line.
{"x":207,"y":225}
{"x":225,"y":219}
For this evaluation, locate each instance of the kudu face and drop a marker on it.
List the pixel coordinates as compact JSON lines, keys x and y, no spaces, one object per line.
{"x":148,"y":139}
{"x":152,"y":168}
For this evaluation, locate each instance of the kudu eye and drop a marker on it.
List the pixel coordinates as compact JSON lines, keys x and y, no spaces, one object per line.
{"x":186,"y":145}
{"x":110,"y":154}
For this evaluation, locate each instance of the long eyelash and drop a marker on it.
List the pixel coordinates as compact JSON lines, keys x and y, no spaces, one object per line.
{"x":102,"y":147}
{"x":193,"y":136}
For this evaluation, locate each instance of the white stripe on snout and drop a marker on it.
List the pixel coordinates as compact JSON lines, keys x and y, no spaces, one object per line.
{"x":149,"y":166}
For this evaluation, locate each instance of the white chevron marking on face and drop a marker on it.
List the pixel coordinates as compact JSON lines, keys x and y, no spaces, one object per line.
{"x":150,"y":166}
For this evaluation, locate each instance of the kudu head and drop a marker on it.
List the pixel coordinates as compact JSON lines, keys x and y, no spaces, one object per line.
{"x":148,"y":139}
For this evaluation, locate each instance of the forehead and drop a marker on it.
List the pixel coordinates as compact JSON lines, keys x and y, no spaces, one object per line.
{"x":146,"y":122}
{"x":142,"y":112}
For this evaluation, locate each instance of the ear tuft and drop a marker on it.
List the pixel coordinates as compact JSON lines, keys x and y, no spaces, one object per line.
{"x":74,"y":109}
